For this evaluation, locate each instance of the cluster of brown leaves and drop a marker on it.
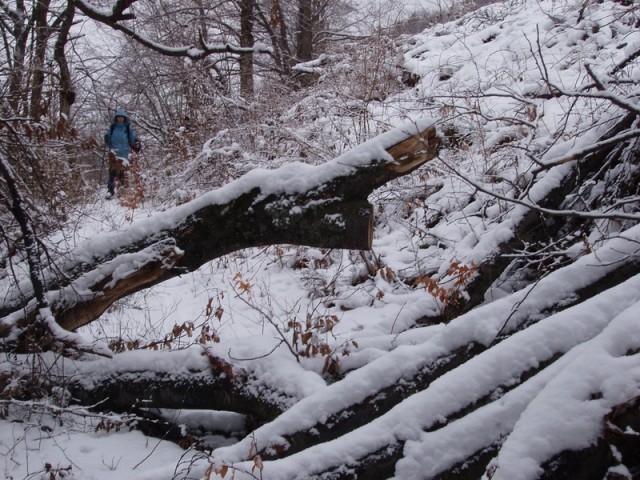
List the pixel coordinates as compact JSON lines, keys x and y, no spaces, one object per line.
{"x":307,"y":342}
{"x":222,"y":366}
{"x":241,"y":284}
{"x":209,"y":311}
{"x":224,"y":469}
{"x":173,"y":340}
{"x":452,"y":293}
{"x":107,"y":425}
{"x":134,"y":192}
{"x":306,"y":336}
{"x":302,"y":259}
{"x":55,"y":473}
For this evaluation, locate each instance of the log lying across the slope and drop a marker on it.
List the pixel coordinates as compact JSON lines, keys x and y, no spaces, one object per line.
{"x":534,"y":227}
{"x":364,"y":410}
{"x":324,"y":206}
{"x":352,"y":417}
{"x":526,"y":364}
{"x":174,"y":380}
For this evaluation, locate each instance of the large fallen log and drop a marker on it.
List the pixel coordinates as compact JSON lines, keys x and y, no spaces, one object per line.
{"x":533,"y":226}
{"x":323,"y":206}
{"x":529,"y":225}
{"x":588,"y":278}
{"x":174,"y":380}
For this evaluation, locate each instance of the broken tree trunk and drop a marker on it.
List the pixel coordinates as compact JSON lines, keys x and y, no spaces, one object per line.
{"x":323,"y":206}
{"x":358,"y":414}
{"x":531,"y":366}
{"x":381,"y":462}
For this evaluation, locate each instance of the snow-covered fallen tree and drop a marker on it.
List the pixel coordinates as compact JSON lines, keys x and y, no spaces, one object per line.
{"x":324,"y":206}
{"x":494,"y":331}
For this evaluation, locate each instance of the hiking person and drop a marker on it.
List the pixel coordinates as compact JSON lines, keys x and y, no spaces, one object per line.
{"x":121,"y":140}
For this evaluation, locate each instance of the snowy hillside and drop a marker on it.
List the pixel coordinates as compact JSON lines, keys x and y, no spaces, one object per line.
{"x":493,"y":327}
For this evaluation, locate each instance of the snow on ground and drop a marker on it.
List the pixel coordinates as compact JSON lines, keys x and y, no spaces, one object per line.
{"x":258,"y":291}
{"x":40,"y":446}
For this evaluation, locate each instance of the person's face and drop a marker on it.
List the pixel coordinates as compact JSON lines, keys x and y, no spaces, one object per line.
{"x":119,"y":119}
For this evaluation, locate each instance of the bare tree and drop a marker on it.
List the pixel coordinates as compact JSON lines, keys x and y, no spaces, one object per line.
{"x":246,"y":40}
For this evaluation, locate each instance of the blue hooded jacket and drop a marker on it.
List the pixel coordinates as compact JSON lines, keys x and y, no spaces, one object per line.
{"x":120,"y":136}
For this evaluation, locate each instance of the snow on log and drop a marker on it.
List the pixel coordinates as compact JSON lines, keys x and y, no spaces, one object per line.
{"x":528,"y":224}
{"x":433,"y":432}
{"x":431,"y":369}
{"x":183,"y":379}
{"x":322,"y":206}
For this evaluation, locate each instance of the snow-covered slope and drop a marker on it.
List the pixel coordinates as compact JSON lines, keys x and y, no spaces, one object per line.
{"x":519,"y":91}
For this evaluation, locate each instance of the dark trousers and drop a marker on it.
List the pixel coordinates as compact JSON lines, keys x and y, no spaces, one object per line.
{"x":111,"y":183}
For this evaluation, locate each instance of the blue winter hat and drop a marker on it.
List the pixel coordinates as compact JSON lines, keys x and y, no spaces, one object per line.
{"x":121,"y":113}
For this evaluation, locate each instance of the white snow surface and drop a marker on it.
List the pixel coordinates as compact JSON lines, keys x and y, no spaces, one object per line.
{"x":557,"y":409}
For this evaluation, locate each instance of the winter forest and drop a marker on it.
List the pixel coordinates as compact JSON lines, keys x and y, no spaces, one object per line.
{"x":362,"y":240}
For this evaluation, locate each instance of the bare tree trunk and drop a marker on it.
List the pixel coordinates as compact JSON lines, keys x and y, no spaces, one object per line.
{"x":21,"y":30}
{"x":304,"y":51}
{"x":41,"y":9}
{"x":16,"y":205}
{"x":67,"y":92}
{"x":276,"y":28}
{"x":246,"y":41}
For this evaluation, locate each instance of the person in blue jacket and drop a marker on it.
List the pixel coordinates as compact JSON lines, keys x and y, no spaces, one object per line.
{"x":121,"y":139}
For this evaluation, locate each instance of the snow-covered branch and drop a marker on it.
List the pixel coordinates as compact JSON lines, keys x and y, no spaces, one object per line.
{"x":115,"y":17}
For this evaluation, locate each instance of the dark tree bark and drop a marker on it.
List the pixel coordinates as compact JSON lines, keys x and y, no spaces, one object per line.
{"x":305,"y":31}
{"x":42,"y":33}
{"x":246,"y":41}
{"x":363,"y":412}
{"x":16,"y":204}
{"x":276,"y":28}
{"x":214,"y":385}
{"x":67,"y":96}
